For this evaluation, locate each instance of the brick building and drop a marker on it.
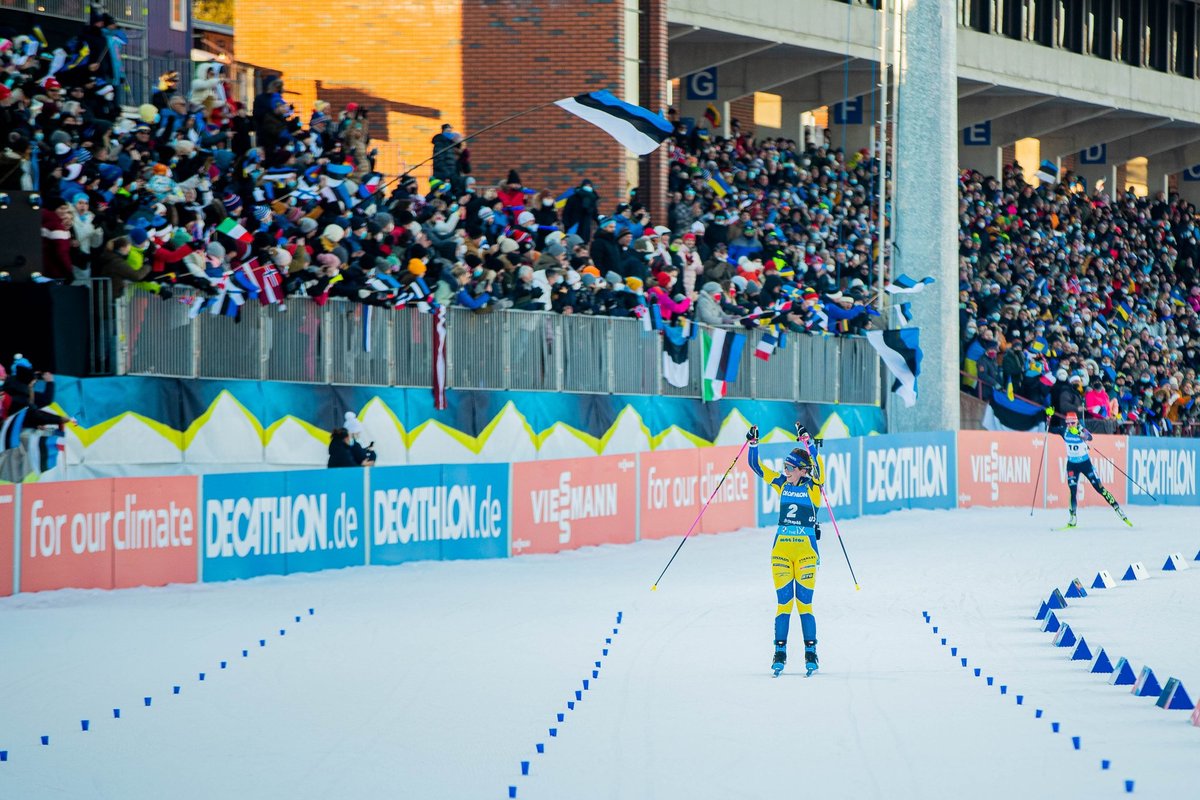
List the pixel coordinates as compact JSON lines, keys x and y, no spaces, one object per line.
{"x":417,"y":64}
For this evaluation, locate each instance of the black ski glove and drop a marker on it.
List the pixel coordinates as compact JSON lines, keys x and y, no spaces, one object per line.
{"x":817,"y":529}
{"x":752,"y":434}
{"x":801,"y":431}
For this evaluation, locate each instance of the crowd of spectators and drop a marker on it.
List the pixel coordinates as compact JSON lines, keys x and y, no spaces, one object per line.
{"x":151,"y":203}
{"x":1084,"y":301}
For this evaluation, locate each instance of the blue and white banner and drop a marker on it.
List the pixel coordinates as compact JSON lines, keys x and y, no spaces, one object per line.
{"x":439,"y":512}
{"x":909,"y":470}
{"x":1166,"y":468}
{"x":842,"y":459}
{"x":283,"y":522}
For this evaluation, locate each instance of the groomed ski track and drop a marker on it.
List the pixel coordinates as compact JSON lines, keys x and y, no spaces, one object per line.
{"x":435,"y":680}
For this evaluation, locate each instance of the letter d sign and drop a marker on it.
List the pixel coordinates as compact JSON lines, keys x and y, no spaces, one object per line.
{"x":1192,"y":173}
{"x":702,"y":85}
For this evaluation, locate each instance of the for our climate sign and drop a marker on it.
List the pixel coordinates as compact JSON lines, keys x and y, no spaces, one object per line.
{"x":279,"y":523}
{"x":439,"y":513}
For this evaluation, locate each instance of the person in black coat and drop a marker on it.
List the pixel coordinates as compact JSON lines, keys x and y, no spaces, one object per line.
{"x":581,"y":210}
{"x":605,"y":252}
{"x":343,"y":452}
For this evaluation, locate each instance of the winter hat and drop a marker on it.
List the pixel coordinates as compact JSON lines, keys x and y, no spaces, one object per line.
{"x":340,"y":253}
{"x":353,"y":426}
{"x":215,"y":250}
{"x":383,"y":220}
{"x":513,"y":177}
{"x":138,"y":238}
{"x":590,"y":270}
{"x":571,"y":240}
{"x":752,"y":287}
{"x":525,"y":218}
{"x":607,"y":221}
{"x":633,"y":283}
{"x":739,"y":282}
{"x":612,"y":278}
{"x":231,"y":201}
{"x":554,"y":250}
{"x":555,"y":237}
{"x":712,"y":287}
{"x":508,"y":245}
{"x":589,"y":279}
{"x":307,"y":225}
{"x":333,"y":233}
{"x":416,"y":266}
{"x":262,"y":213}
{"x":663,"y":279}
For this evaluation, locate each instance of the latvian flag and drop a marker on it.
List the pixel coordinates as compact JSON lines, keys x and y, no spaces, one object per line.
{"x":634,"y":127}
{"x":901,"y":352}
{"x":230,"y":227}
{"x":766,"y":346}
{"x":906,"y":285}
{"x":721,"y":352}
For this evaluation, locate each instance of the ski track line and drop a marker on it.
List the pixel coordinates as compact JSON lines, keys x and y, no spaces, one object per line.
{"x":111,"y":716}
{"x":526,"y":767}
{"x":979,"y":674}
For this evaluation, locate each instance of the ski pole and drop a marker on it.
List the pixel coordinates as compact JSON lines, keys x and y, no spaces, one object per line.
{"x":696,"y":522}
{"x":829,"y":508}
{"x":1126,"y":474}
{"x":1041,"y":463}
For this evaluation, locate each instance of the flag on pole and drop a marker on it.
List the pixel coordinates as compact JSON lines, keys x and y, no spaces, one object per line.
{"x":906,"y":285}
{"x":634,"y":127}
{"x":676,"y":367}
{"x":439,"y":358}
{"x":1048,"y":172}
{"x":903,"y":314}
{"x":901,"y":352}
{"x":712,"y":115}
{"x":715,"y":182}
{"x":722,"y":351}
{"x":766,"y":346}
{"x":230,"y":227}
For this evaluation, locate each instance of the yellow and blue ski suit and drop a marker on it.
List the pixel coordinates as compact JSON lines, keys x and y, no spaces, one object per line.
{"x":794,"y":556}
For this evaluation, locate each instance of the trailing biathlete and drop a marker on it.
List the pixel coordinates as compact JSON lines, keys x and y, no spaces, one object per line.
{"x":1079,"y":462}
{"x":794,"y":555}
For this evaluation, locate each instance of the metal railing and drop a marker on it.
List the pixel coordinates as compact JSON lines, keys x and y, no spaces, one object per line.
{"x":349,"y":343}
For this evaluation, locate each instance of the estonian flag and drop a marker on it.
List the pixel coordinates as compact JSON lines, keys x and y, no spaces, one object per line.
{"x":676,"y":370}
{"x":901,"y":352}
{"x":722,"y":356}
{"x":1048,"y":172}
{"x":634,"y":127}
{"x":903,"y":314}
{"x":906,"y":285}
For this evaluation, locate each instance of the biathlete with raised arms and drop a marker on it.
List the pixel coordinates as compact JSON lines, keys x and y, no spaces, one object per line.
{"x":794,"y":556}
{"x":1079,"y":462}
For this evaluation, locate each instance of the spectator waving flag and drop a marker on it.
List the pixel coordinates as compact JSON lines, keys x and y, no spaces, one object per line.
{"x":230,"y":227}
{"x":715,"y":182}
{"x":722,"y":353}
{"x":766,"y":345}
{"x":1048,"y":172}
{"x":634,"y":127}
{"x":712,"y":115}
{"x":901,"y":353}
{"x":906,"y":285}
{"x":903,"y":314}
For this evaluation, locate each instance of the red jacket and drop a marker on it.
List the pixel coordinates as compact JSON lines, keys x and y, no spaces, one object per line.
{"x":56,"y":247}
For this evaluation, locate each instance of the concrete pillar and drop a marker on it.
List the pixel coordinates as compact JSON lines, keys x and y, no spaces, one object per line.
{"x":1189,"y":189}
{"x":927,"y":207}
{"x":652,"y":47}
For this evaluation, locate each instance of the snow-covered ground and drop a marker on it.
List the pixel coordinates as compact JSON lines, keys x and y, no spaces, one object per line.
{"x":436,"y":680}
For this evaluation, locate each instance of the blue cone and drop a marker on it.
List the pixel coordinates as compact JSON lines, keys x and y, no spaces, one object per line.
{"x":1122,"y":674}
{"x":1051,"y":624}
{"x":1102,"y":666}
{"x":1147,"y":684}
{"x":1056,"y":600}
{"x":1043,"y":610}
{"x":1082,"y":653}
{"x":1076,"y":589}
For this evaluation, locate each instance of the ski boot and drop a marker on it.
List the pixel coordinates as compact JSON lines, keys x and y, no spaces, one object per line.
{"x":1072,"y":522}
{"x":780,"y":657}
{"x":810,"y":656}
{"x":1121,"y":514}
